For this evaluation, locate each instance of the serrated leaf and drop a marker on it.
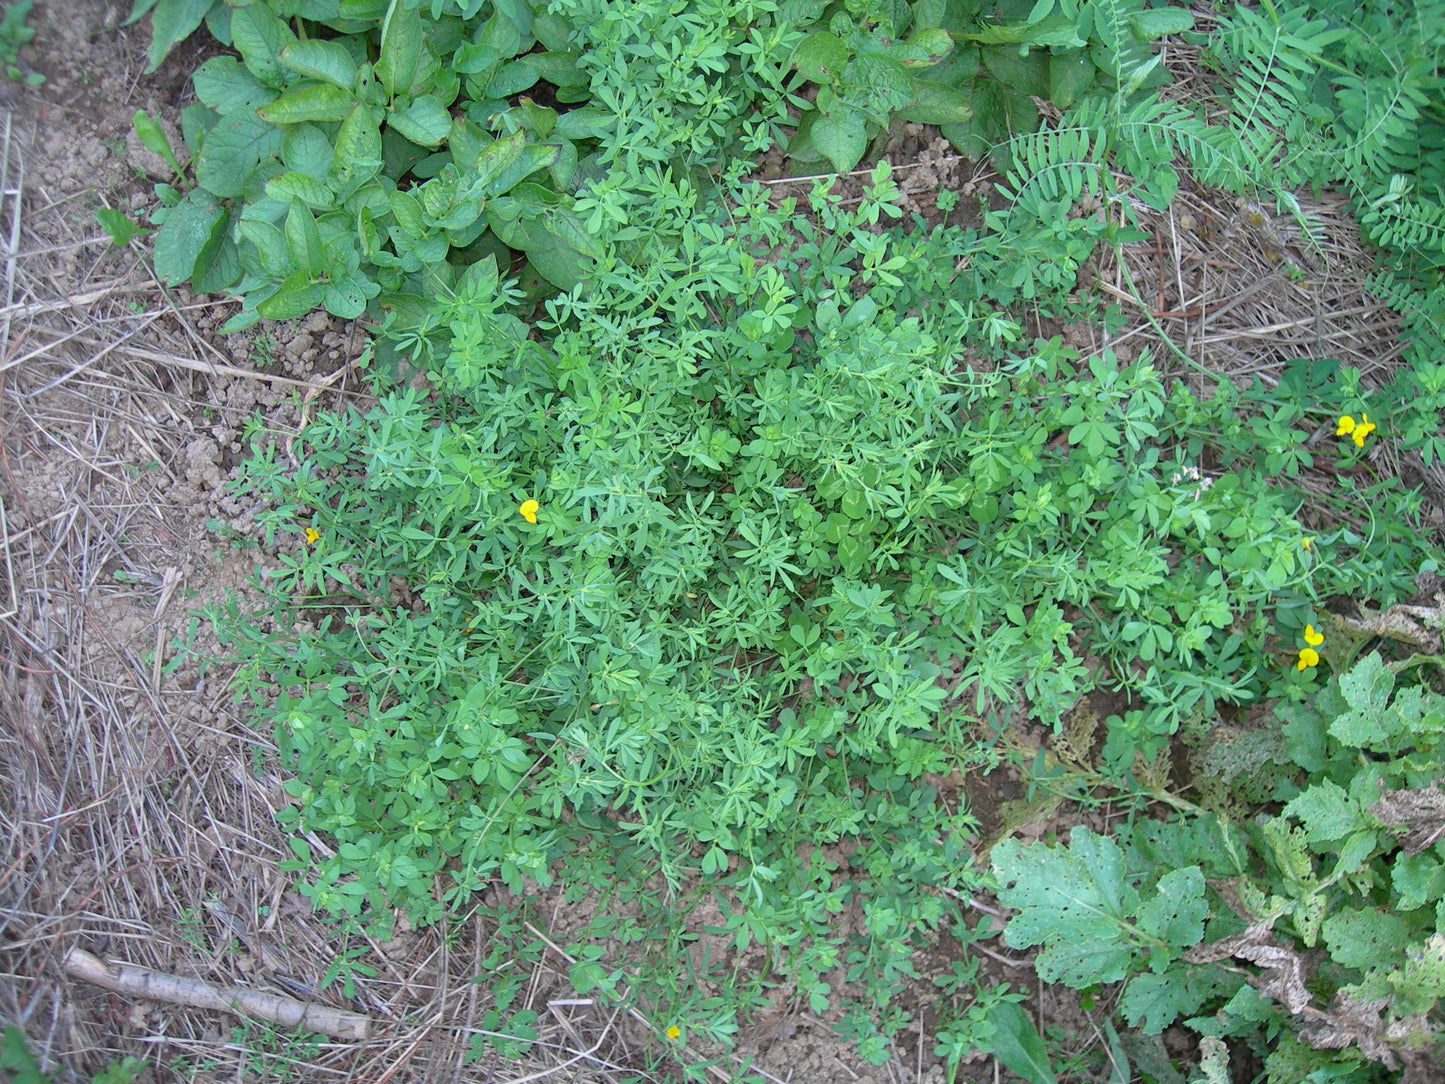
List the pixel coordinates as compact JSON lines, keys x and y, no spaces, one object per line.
{"x":326,"y":60}
{"x":190,"y":226}
{"x":840,"y":137}
{"x":424,"y":121}
{"x":308,"y":102}
{"x":1327,"y":812}
{"x":1153,"y":1002}
{"x":1366,"y":938}
{"x":259,"y":36}
{"x":820,"y":57}
{"x":225,"y":84}
{"x":1176,"y":913}
{"x":171,"y":22}
{"x":1076,"y":903}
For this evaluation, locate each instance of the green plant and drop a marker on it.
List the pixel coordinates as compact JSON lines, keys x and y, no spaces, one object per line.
{"x":21,"y":1067}
{"x":15,"y":35}
{"x":972,"y":68}
{"x":1176,"y":909}
{"x":329,"y":169}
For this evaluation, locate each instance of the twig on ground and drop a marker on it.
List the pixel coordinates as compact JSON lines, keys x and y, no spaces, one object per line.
{"x":134,"y":981}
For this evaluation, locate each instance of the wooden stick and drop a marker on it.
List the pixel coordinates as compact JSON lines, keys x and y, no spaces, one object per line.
{"x":135,"y":981}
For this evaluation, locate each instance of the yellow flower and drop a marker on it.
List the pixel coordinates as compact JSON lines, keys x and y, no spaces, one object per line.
{"x":1356,"y":431}
{"x":528,"y":510}
{"x":674,"y":1033}
{"x":312,"y":536}
{"x":1307,"y":544}
{"x":1308,"y":657}
{"x":1313,"y":638}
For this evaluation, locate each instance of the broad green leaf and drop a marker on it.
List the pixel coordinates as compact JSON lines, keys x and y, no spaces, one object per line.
{"x":1327,"y":812}
{"x":402,"y":40}
{"x":288,"y":186}
{"x":308,"y":102}
{"x":1070,"y":75}
{"x":188,"y":229}
{"x":305,"y":148}
{"x":357,"y":157}
{"x":820,"y":57}
{"x":425,"y":121}
{"x":346,"y":295}
{"x":511,"y":78}
{"x":218,"y":267}
{"x":473,"y":59}
{"x":924,"y":48}
{"x":532,"y":158}
{"x":1075,"y":902}
{"x":886,"y":84}
{"x":121,"y":228}
{"x":408,"y":214}
{"x":558,"y":68}
{"x":154,"y":140}
{"x":173,"y":21}
{"x":1015,"y":1042}
{"x":568,"y":229}
{"x":196,"y":121}
{"x":138,"y":11}
{"x":297,"y":296}
{"x":1176,"y":912}
{"x":558,"y":263}
{"x":225,"y":84}
{"x":1021,"y":75}
{"x":271,"y":251}
{"x":937,"y":103}
{"x":364,"y":11}
{"x":303,"y":240}
{"x":234,"y":149}
{"x":1157,"y":22}
{"x":840,"y":137}
{"x":1153,"y":1002}
{"x":1366,"y":938}
{"x":259,"y":37}
{"x":328,"y":61}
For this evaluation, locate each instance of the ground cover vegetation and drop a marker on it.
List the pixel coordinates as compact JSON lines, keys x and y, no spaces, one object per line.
{"x":699,"y":537}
